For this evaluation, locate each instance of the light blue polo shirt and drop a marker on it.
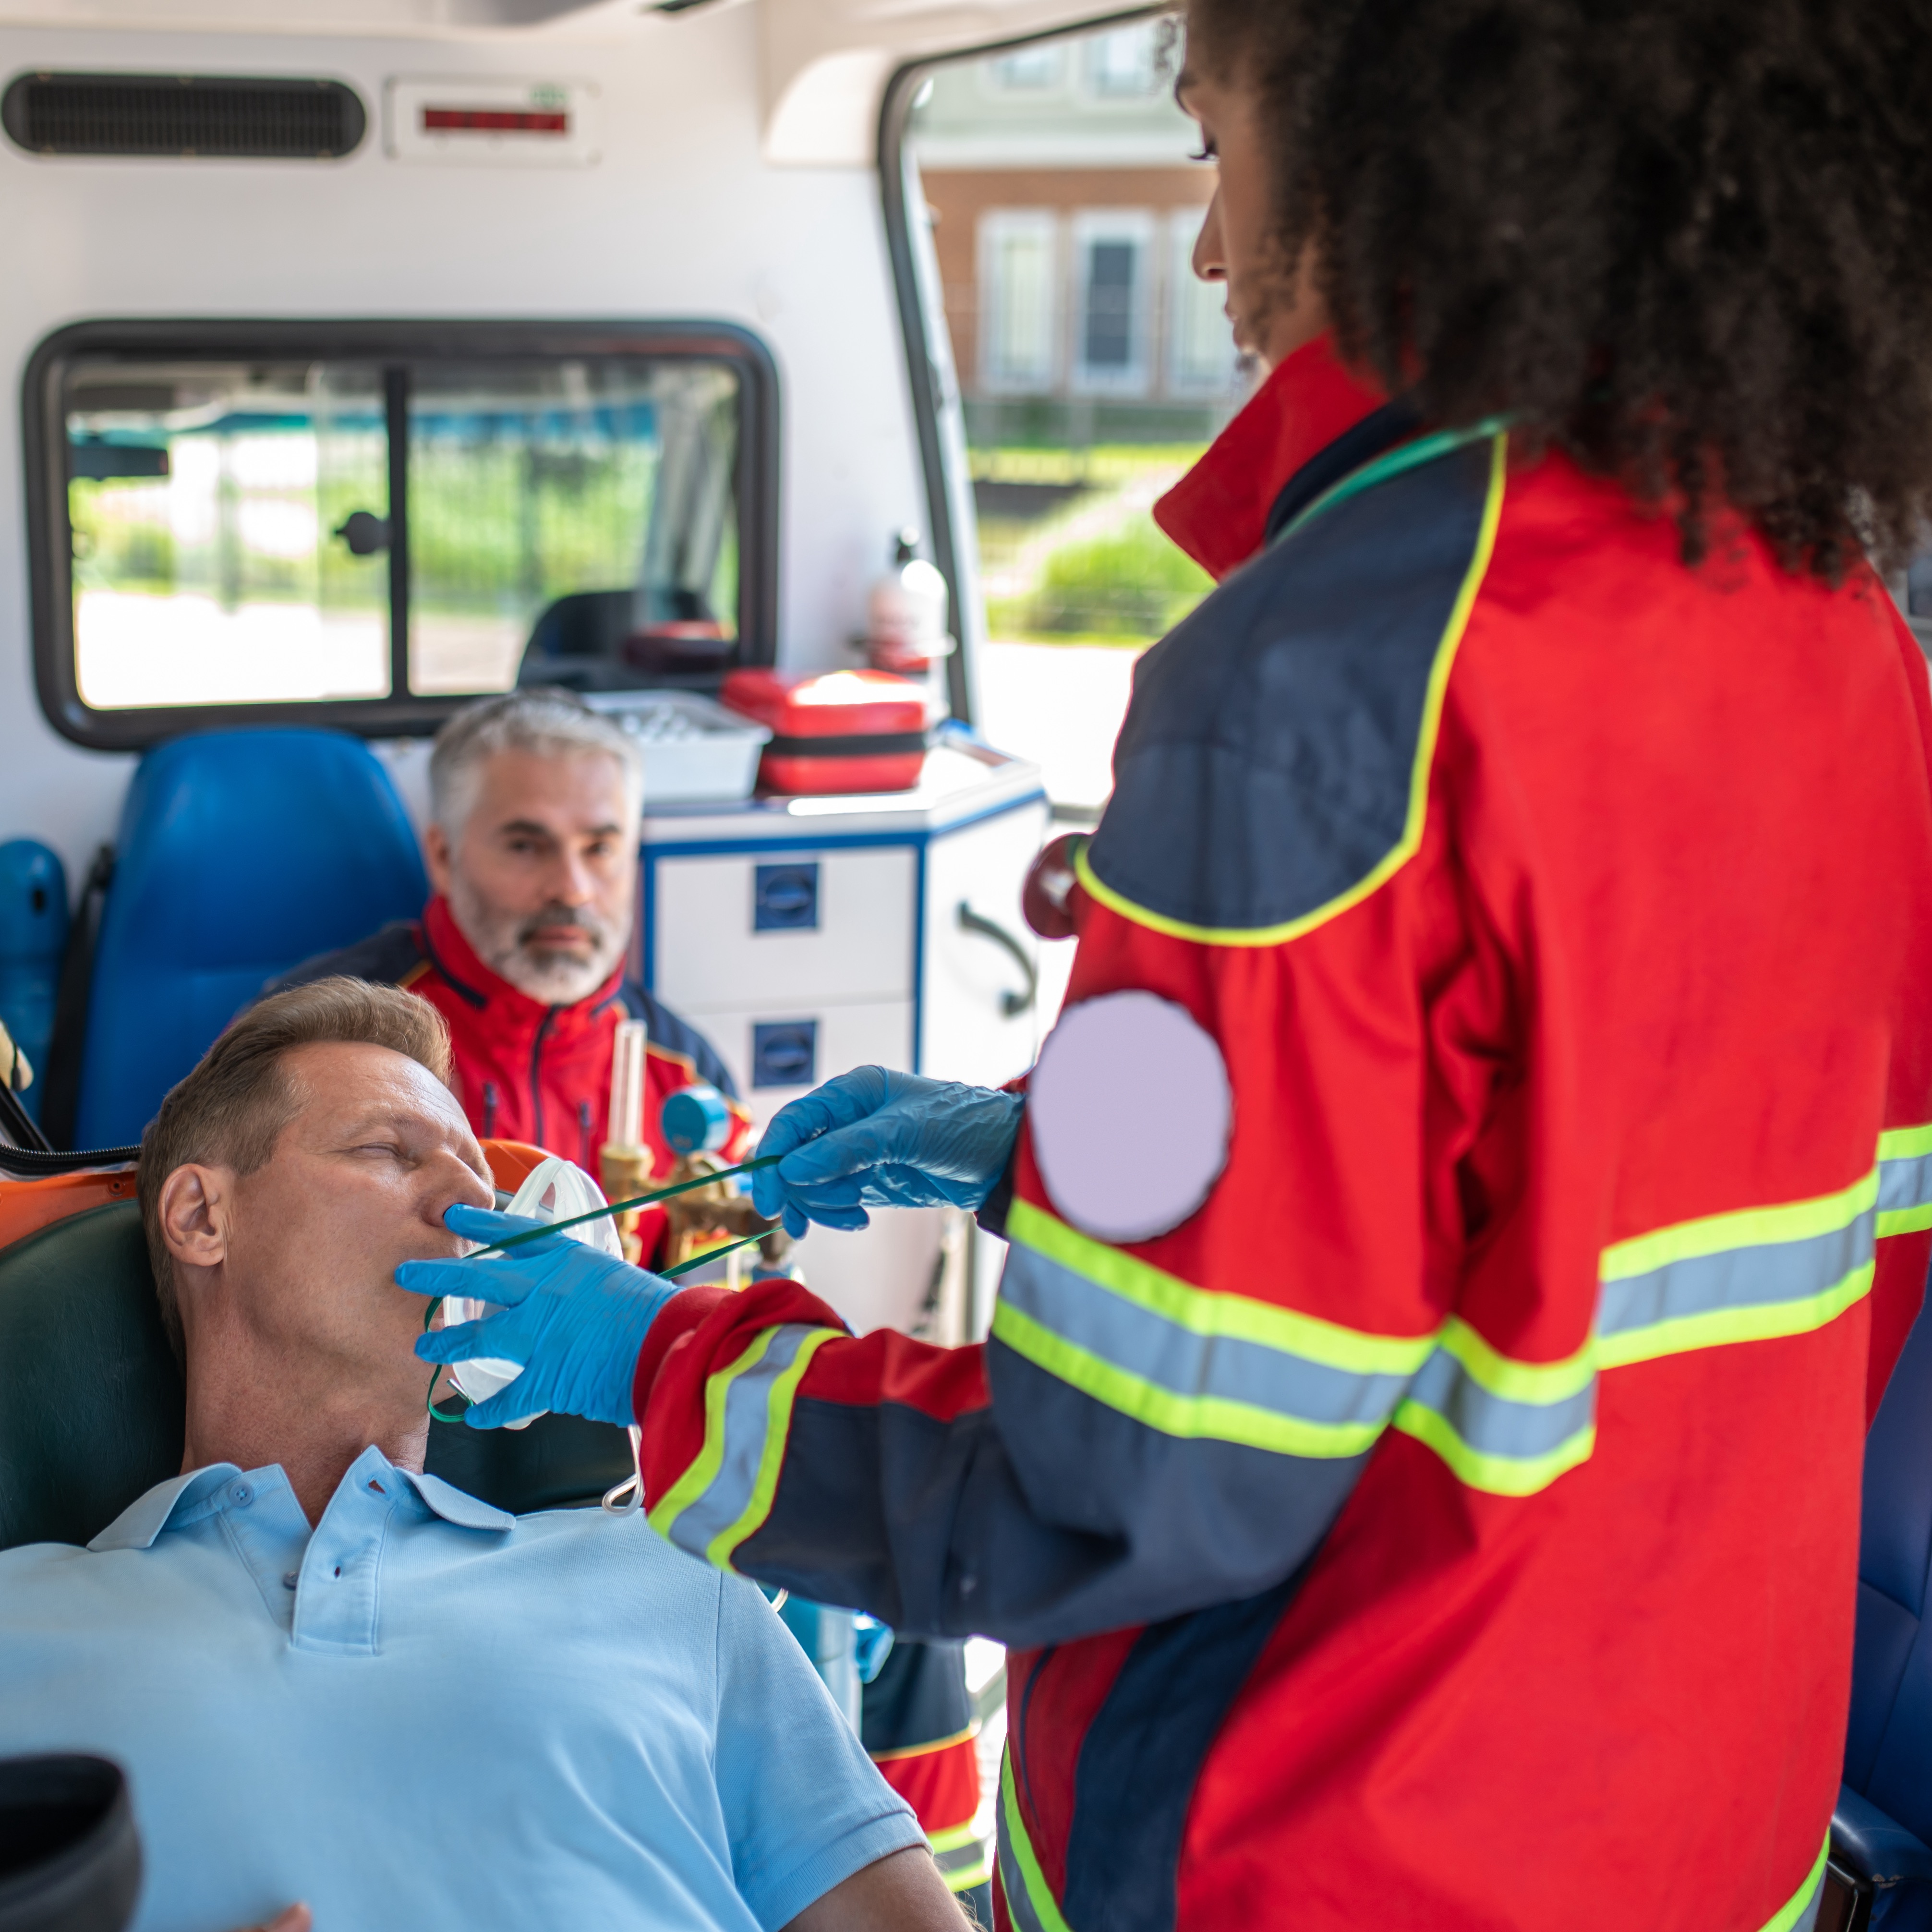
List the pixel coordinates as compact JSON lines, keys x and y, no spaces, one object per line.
{"x":430,"y":1714}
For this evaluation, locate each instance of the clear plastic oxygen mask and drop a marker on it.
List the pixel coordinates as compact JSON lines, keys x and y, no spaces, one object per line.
{"x":555,"y":1190}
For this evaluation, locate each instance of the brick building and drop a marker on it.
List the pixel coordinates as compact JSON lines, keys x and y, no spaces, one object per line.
{"x":1066,"y":204}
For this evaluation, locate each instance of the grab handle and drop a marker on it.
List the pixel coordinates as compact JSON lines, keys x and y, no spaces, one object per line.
{"x":1011,"y":1003}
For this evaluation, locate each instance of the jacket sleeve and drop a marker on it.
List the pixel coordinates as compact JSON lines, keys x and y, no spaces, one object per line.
{"x":1152,"y":1428}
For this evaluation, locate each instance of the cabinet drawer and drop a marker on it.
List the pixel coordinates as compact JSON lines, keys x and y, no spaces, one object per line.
{"x":802,"y":1045}
{"x":797,"y":929}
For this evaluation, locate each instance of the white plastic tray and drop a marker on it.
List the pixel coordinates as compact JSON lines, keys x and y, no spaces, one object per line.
{"x":695,"y":751}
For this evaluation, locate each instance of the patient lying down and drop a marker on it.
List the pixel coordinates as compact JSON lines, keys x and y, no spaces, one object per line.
{"x":334,"y":1679}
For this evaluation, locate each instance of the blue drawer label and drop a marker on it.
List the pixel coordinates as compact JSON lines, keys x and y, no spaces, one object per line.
{"x":784,"y":1053}
{"x":784,"y":898}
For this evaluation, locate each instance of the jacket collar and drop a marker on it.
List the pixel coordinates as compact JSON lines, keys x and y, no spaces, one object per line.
{"x":1219,"y":513}
{"x":455,"y":959}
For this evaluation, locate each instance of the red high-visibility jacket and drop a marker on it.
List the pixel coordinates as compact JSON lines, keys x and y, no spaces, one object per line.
{"x":1453,"y":1524}
{"x":525,"y":1071}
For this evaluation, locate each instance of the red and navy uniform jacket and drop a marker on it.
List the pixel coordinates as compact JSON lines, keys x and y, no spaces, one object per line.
{"x":1453,"y":1523}
{"x":918,"y":1727}
{"x":525,"y":1071}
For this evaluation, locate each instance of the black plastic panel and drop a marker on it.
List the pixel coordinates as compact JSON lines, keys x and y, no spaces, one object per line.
{"x":187,"y":116}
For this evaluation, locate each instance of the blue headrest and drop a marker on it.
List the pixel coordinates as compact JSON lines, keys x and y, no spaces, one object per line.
{"x":241,"y":854}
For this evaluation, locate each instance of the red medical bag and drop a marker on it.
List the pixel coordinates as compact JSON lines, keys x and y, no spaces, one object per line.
{"x":834,"y":731}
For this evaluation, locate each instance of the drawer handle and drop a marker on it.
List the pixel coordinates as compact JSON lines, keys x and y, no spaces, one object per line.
{"x":1011,"y":1003}
{"x":785,"y":899}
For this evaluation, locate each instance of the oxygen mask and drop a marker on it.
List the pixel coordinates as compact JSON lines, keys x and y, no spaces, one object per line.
{"x":555,"y":1189}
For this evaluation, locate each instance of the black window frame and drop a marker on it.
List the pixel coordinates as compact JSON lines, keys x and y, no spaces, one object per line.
{"x":935,"y":382}
{"x":392,"y":345}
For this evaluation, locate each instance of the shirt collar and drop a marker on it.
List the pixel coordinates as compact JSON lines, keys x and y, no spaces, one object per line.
{"x":1219,"y":512}
{"x":185,"y":1499}
{"x":453,"y":956}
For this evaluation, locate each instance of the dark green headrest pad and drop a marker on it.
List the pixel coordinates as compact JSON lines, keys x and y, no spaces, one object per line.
{"x":90,"y":1402}
{"x":90,"y":1398}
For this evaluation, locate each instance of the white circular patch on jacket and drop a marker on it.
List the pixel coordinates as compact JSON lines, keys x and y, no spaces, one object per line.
{"x":1130,"y":1112}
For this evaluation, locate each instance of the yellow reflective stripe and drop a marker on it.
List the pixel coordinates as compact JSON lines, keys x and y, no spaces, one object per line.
{"x":1198,"y":1363}
{"x":964,"y":1858}
{"x":724,"y":1546}
{"x":710,"y":1459}
{"x":1045,"y":1908}
{"x":1716,"y":1327}
{"x":926,"y":1750}
{"x":1746,"y":1228}
{"x":1218,"y":1418}
{"x":1213,"y":1311}
{"x":1499,"y":1475}
{"x":1518,"y":1382}
{"x":966,"y":1877}
{"x":1531,"y":1397}
{"x":1405,"y":846}
{"x":1795,"y":1907}
{"x":1905,"y":1164}
{"x":952,"y":1839}
{"x":1752,"y":1275}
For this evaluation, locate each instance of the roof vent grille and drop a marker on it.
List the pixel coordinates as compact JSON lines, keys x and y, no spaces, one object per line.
{"x":189,"y":116}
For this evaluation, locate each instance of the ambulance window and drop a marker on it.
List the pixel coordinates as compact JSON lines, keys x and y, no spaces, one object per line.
{"x":532,"y":483}
{"x":1045,"y":207}
{"x":202,"y":501}
{"x":363,"y":539}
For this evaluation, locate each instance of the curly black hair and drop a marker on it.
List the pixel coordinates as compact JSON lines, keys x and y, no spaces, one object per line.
{"x":1689,"y":241}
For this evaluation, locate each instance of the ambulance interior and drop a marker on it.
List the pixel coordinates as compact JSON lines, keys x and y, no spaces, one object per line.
{"x":368,"y":358}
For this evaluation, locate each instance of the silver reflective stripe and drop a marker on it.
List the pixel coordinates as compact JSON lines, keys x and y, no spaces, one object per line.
{"x":1496,"y":1425}
{"x":970,"y":1857}
{"x":1905,"y":1182}
{"x":1736,"y":1278}
{"x":747,"y":1420}
{"x":1187,"y":1363}
{"x":1019,"y":1903}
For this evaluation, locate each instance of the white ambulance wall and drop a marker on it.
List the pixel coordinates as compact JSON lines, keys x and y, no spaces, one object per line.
{"x":681,"y":217}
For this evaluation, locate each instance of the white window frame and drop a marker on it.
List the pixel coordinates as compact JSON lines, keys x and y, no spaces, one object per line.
{"x":996,"y":225}
{"x":1183,"y":226}
{"x":1136,"y":226}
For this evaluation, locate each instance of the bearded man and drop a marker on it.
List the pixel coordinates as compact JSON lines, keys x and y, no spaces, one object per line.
{"x":536,"y":801}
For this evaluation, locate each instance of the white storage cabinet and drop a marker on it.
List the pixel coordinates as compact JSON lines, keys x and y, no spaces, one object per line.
{"x":805,"y":937}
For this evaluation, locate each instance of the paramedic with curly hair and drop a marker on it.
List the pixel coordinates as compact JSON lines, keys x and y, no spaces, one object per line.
{"x":1479,"y":1184}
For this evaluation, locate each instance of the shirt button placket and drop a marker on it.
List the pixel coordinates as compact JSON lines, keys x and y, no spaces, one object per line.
{"x":338,"y":1611}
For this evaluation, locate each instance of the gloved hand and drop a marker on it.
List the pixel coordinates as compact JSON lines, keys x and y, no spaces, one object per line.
{"x":870,"y":1138}
{"x":574,"y":1317}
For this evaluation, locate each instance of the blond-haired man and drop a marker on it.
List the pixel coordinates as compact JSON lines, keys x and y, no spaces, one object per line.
{"x":334,"y":1678}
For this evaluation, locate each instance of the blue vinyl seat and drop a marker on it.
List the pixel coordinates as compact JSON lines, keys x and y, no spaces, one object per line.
{"x":1883,"y":1830}
{"x":240,"y":854}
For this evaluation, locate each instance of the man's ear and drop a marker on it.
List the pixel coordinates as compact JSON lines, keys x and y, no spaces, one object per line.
{"x":437,"y":855}
{"x":197,"y":1205}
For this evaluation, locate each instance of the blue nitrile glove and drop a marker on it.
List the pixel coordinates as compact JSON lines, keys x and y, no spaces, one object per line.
{"x":874,"y":1139}
{"x":575,"y":1318}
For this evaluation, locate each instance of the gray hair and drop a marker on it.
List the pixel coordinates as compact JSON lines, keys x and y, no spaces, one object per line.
{"x":543,"y":719}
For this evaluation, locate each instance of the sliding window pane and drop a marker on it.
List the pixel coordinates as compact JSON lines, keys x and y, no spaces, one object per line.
{"x":534,"y":483}
{"x":207,"y":503}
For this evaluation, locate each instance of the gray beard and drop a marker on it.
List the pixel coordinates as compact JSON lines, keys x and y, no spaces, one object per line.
{"x":503,"y":943}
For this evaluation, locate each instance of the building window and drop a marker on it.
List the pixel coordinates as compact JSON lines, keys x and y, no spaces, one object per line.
{"x":1111,"y":249}
{"x":1034,"y":69}
{"x":1201,"y":357}
{"x":1018,"y":316}
{"x":1124,"y":65}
